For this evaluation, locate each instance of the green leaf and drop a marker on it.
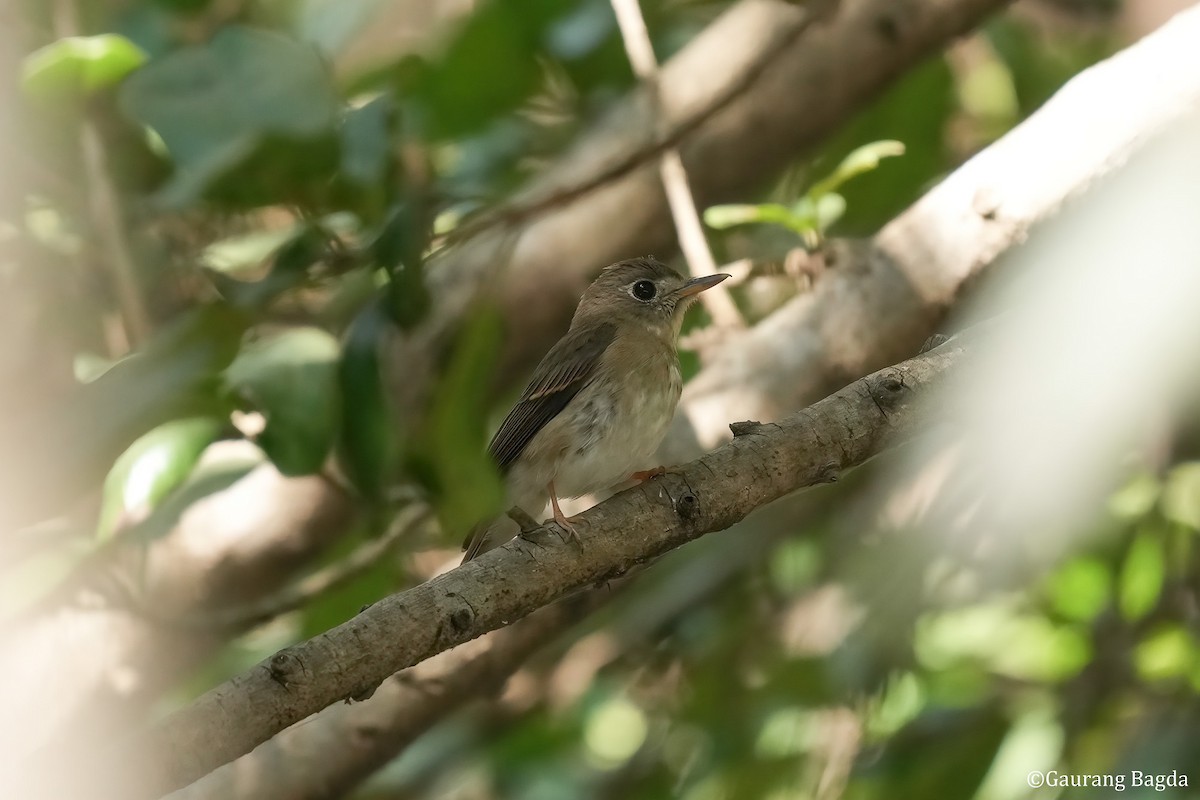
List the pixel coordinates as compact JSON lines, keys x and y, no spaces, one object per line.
{"x":366,"y":142}
{"x":1081,"y":589}
{"x":830,"y":208}
{"x":727,"y":216}
{"x":220,"y":469}
{"x":212,"y":104}
{"x":966,"y":743}
{"x":155,"y":464}
{"x":245,"y":252}
{"x":300,"y":248}
{"x":453,"y":448}
{"x":73,"y":68}
{"x":916,"y":110}
{"x":1167,"y":653}
{"x":68,"y":446}
{"x":861,"y":160}
{"x":1181,"y":496}
{"x":175,"y":376}
{"x":291,"y":379}
{"x":461,"y":92}
{"x":369,"y":444}
{"x":1142,"y":576}
{"x":332,"y":24}
{"x":399,"y":249}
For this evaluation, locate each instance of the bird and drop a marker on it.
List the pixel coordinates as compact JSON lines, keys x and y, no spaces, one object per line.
{"x":599,"y":403}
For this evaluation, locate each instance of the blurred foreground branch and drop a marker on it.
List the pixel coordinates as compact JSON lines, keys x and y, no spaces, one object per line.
{"x":888,"y":295}
{"x":763,"y":463}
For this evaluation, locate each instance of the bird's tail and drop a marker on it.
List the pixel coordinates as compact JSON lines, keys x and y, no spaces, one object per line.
{"x":477,"y":541}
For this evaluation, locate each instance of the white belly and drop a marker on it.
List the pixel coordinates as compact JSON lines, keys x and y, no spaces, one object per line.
{"x":611,"y":435}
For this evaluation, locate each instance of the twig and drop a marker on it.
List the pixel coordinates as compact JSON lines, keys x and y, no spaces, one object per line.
{"x":688,"y":227}
{"x":316,"y":584}
{"x":519,"y":211}
{"x":104,"y":208}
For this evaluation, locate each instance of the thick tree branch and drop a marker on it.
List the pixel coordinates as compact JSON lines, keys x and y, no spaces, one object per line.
{"x":327,"y":756}
{"x":763,"y":463}
{"x":885,"y":296}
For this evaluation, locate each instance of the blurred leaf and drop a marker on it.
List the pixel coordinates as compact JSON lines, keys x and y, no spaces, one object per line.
{"x":727,"y":216}
{"x":1039,"y":68}
{"x":369,"y":444}
{"x":1166,"y":654}
{"x":1142,"y":576}
{"x":70,"y":69}
{"x":29,"y":581}
{"x":332,"y":24}
{"x":966,"y":743}
{"x":860,"y":160}
{"x":300,"y":248}
{"x":794,"y":566}
{"x":1020,"y":645}
{"x":291,"y":380}
{"x":223,"y":465}
{"x":245,"y":252}
{"x":366,"y":141}
{"x":1136,"y":498}
{"x":153,"y":466}
{"x":460,"y":91}
{"x":452,"y":454}
{"x":399,"y":248}
{"x":902,"y":701}
{"x":830,"y":208}
{"x":1181,"y":497}
{"x":212,"y":104}
{"x":69,"y":446}
{"x":1081,"y":589}
{"x":987,"y":91}
{"x":177,"y":375}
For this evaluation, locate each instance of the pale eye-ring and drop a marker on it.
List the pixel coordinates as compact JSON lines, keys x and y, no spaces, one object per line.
{"x":645,"y":290}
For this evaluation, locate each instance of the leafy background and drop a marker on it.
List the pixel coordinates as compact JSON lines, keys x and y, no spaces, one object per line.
{"x":226,"y":206}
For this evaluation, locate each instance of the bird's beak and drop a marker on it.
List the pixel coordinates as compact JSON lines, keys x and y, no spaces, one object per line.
{"x":698,"y":285}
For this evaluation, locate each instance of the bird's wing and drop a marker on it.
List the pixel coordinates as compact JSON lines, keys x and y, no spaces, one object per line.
{"x":565,"y":370}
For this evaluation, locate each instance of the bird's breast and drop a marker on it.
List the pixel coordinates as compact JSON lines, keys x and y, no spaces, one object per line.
{"x":618,"y":421}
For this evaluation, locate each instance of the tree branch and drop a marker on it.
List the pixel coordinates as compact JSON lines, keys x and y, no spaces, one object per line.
{"x":887,"y":295}
{"x":327,"y":756}
{"x":763,"y":463}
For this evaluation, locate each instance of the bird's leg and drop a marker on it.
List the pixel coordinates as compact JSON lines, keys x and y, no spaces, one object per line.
{"x":647,"y":474}
{"x":559,"y":516}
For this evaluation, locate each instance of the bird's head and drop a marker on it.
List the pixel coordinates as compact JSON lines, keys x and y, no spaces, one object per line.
{"x":643,"y":290}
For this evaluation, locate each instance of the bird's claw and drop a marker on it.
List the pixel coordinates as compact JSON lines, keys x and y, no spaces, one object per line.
{"x":647,"y":474}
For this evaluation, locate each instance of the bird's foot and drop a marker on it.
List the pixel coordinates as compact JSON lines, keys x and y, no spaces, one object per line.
{"x":566,"y":523}
{"x":647,"y":474}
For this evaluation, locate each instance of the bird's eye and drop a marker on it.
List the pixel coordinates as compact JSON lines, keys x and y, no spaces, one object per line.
{"x":644,"y":291}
